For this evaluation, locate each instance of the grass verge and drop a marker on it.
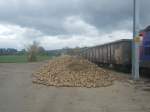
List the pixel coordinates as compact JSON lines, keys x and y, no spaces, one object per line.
{"x":20,"y":58}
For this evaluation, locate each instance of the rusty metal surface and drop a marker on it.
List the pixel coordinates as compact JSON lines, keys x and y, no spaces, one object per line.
{"x":118,"y":52}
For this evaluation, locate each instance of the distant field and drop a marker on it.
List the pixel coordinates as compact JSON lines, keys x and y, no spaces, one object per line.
{"x":20,"y":58}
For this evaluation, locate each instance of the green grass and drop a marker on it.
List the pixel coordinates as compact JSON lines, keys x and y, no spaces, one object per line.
{"x":20,"y":58}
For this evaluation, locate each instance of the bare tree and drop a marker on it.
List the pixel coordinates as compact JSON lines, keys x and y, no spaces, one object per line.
{"x":32,"y":51}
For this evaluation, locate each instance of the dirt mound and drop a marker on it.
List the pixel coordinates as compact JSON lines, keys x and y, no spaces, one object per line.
{"x":71,"y":71}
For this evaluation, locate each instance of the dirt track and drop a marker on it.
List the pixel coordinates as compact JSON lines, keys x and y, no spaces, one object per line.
{"x":18,"y":94}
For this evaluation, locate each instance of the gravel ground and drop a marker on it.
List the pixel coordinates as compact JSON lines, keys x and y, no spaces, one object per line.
{"x":19,"y":94}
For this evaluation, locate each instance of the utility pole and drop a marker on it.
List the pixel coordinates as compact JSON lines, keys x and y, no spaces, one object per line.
{"x":135,"y":42}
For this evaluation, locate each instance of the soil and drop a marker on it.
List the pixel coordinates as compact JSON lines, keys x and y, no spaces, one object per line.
{"x":19,"y":94}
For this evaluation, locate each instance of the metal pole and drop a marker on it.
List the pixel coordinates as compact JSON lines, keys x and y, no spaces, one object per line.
{"x":135,"y":45}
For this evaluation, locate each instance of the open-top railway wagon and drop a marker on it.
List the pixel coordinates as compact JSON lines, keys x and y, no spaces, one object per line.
{"x":114,"y":53}
{"x":120,"y":52}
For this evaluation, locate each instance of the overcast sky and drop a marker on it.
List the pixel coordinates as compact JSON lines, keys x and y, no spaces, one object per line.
{"x":67,"y":23}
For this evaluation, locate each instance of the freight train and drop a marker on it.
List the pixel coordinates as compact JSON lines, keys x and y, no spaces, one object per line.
{"x":119,"y":53}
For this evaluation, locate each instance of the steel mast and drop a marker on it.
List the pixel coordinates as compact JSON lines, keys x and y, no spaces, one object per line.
{"x":135,"y":42}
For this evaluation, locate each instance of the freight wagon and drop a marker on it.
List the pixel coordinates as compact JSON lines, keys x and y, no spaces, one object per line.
{"x":119,"y":53}
{"x":114,"y":53}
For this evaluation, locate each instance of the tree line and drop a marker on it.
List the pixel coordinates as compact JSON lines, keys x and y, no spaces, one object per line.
{"x":8,"y":51}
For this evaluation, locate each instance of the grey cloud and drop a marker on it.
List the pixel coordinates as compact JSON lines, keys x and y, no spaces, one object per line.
{"x":144,"y":13}
{"x":48,"y":16}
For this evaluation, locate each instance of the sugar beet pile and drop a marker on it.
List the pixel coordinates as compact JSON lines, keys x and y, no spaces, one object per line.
{"x":69,"y":71}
